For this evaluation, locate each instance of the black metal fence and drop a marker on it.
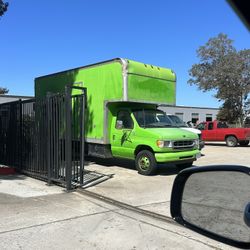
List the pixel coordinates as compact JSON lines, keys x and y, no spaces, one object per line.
{"x":10,"y":130}
{"x":45,"y":138}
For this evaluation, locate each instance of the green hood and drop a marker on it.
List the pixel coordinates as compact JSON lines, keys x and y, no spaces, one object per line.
{"x":169,"y":133}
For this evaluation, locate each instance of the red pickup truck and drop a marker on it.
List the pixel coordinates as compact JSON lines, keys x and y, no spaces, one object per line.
{"x":219,"y":131}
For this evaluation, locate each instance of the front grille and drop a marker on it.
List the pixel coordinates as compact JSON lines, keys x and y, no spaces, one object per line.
{"x":183,"y":144}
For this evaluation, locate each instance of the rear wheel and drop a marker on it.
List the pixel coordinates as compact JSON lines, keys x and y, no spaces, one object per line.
{"x":231,"y":141}
{"x":244,"y":143}
{"x":145,"y":163}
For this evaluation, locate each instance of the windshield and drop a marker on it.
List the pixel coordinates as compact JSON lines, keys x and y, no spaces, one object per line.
{"x":178,"y":122}
{"x":152,"y":118}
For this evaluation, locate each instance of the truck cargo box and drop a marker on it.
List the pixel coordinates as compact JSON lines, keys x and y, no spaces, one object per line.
{"x":117,"y":80}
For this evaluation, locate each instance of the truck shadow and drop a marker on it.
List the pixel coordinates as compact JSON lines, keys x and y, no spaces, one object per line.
{"x":215,"y":144}
{"x":163,"y":169}
{"x":224,"y":145}
{"x":168,"y":169}
{"x":129,"y":164}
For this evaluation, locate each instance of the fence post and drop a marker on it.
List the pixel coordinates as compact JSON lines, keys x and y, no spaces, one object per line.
{"x":20,"y":144}
{"x":48,"y":118}
{"x":68,"y":137}
{"x":82,"y":112}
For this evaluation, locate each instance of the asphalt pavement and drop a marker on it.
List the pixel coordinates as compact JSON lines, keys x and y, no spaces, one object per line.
{"x":37,"y":216}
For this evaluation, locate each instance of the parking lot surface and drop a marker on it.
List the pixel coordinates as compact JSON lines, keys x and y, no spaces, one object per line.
{"x":37,"y":216}
{"x":153,"y":192}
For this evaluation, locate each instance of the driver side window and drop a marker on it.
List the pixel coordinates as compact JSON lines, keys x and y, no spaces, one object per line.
{"x":210,"y":126}
{"x":126,"y":120}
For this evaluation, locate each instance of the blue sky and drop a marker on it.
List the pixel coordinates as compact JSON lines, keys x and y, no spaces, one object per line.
{"x":41,"y":37}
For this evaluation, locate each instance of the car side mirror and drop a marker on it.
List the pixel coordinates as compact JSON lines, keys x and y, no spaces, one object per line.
{"x":200,"y":127}
{"x":119,"y":124}
{"x":189,"y":123}
{"x":214,"y":201}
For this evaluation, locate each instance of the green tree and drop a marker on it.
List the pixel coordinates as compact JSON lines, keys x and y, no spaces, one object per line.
{"x":3,"y":91}
{"x":3,"y":7}
{"x":227,"y":71}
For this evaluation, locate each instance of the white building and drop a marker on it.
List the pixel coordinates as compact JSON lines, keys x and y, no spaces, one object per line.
{"x":192,"y":114}
{"x":186,"y":113}
{"x":12,"y":98}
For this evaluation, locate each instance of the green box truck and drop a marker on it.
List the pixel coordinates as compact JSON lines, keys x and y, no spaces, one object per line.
{"x":122,"y":119}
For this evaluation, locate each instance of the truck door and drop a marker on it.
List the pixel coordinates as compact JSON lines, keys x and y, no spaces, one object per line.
{"x":211,"y":132}
{"x":122,"y":135}
{"x":202,"y":127}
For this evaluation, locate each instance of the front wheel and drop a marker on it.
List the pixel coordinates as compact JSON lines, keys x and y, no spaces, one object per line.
{"x":231,"y":141}
{"x":145,"y":163}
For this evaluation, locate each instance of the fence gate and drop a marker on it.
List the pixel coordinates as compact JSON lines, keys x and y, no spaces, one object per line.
{"x":45,"y":138}
{"x":65,"y":138}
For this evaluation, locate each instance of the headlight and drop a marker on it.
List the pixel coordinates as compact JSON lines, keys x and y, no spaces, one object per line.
{"x":164,"y":144}
{"x":160,"y":143}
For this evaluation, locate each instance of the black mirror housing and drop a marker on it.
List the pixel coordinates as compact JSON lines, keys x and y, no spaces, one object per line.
{"x":119,"y":124}
{"x":203,"y":199}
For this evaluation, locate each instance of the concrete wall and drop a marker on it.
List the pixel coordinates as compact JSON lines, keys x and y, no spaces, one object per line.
{"x":187,"y":113}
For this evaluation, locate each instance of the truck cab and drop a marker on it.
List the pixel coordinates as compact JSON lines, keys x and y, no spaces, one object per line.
{"x":139,"y":134}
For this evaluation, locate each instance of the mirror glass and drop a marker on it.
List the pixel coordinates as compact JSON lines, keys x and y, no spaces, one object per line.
{"x":119,"y":124}
{"x":218,"y":201}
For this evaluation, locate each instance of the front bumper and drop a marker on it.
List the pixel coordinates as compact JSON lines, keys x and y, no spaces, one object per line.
{"x":172,"y":157}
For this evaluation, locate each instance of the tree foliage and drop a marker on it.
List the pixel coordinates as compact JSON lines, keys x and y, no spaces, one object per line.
{"x":227,"y":71}
{"x":3,"y":7}
{"x":3,"y":91}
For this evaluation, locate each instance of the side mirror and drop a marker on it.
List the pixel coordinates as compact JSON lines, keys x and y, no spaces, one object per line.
{"x":214,"y":201}
{"x":119,"y":124}
{"x":200,"y":127}
{"x":189,"y":123}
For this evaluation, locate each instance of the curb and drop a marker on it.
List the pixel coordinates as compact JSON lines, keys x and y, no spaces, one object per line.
{"x":7,"y":170}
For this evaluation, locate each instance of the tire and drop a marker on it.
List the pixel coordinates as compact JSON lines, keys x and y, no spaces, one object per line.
{"x":244,"y":143}
{"x":231,"y":141}
{"x":185,"y":165}
{"x":145,"y":162}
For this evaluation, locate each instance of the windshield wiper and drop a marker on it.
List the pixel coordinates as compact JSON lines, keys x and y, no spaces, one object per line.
{"x":152,"y":126}
{"x":159,"y":126}
{"x":170,"y":126}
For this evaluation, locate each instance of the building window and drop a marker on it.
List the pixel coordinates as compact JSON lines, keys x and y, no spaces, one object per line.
{"x":180,"y":115}
{"x":195,"y":118}
{"x":209,"y":117}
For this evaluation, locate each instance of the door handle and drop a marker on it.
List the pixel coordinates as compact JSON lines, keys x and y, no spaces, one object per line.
{"x":113,"y":137}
